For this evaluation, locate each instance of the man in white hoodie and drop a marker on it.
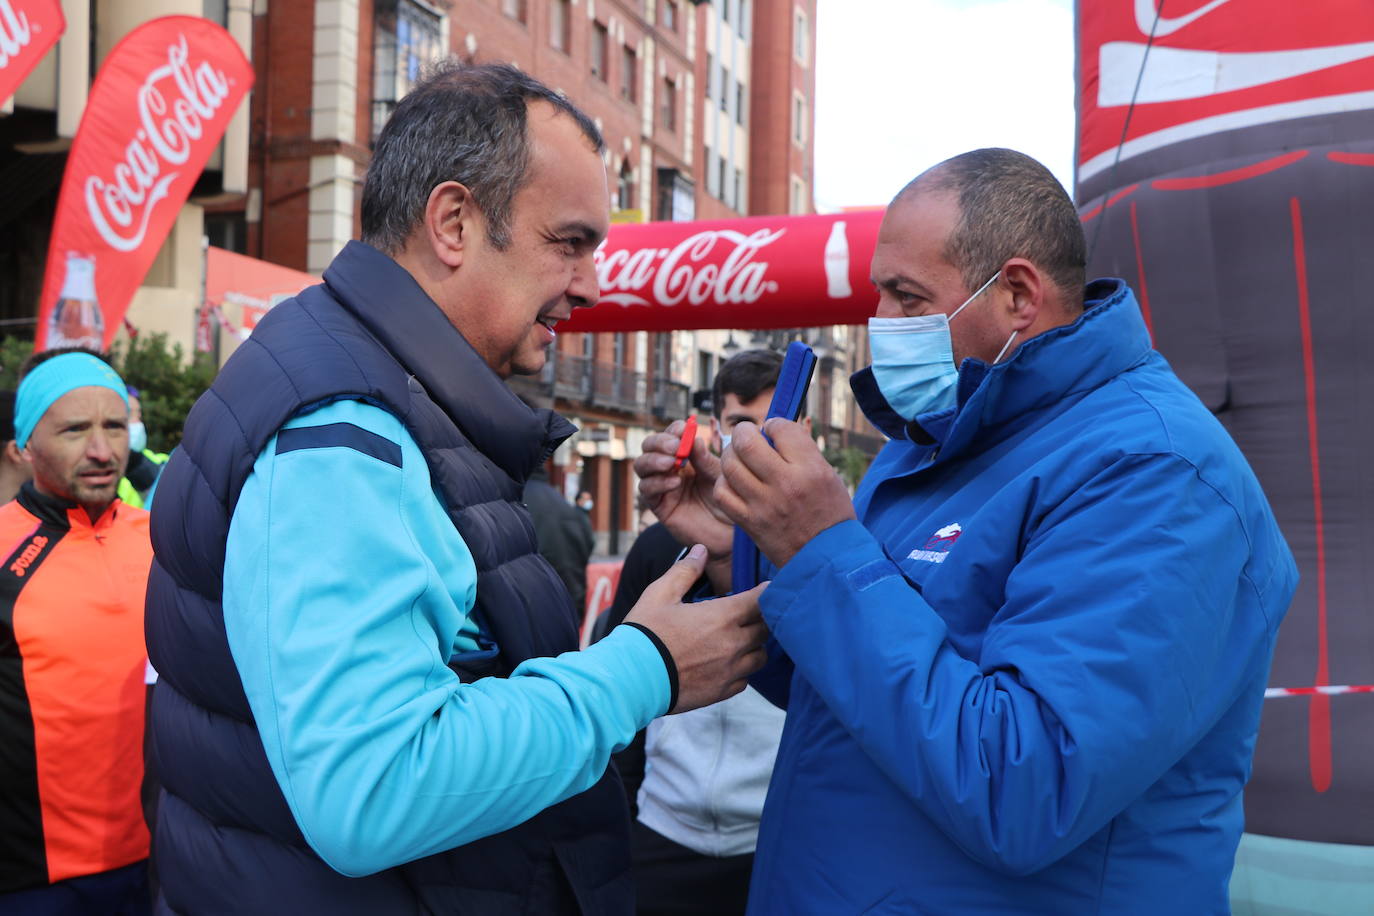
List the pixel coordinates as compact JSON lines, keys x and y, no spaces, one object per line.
{"x":697,"y":780}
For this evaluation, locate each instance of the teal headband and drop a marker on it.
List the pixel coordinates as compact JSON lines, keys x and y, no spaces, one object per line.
{"x":50,"y":380}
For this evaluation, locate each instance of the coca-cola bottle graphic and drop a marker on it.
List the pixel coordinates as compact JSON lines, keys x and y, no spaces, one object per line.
{"x":837,"y":263}
{"x":1241,"y":219}
{"x":76,"y":319}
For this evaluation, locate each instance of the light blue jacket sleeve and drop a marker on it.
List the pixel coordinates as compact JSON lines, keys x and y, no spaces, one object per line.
{"x":346,"y":591}
{"x":1129,"y":625}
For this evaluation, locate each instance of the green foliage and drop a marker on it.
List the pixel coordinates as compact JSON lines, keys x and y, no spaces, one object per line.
{"x":13,"y":352}
{"x":851,"y":462}
{"x":168,"y":385}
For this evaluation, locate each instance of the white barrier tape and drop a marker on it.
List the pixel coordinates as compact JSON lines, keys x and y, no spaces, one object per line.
{"x":1330,"y":691}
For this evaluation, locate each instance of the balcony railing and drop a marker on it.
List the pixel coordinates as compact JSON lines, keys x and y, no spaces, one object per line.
{"x":672,"y":400}
{"x":589,"y":383}
{"x":599,"y":384}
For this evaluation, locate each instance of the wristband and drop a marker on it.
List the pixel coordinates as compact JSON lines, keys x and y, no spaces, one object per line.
{"x":668,"y":662}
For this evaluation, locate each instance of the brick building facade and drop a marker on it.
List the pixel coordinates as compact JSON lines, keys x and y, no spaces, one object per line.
{"x":706,"y":108}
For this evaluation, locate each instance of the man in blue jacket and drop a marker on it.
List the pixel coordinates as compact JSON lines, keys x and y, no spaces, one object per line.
{"x":1023,"y":668}
{"x":369,"y":701}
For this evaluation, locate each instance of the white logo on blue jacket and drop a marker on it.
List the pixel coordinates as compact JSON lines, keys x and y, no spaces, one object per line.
{"x":937,"y":548}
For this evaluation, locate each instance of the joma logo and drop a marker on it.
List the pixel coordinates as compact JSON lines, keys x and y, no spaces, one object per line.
{"x":22,"y":563}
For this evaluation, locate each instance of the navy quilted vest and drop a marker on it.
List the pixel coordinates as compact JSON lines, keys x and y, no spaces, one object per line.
{"x":226,"y":841}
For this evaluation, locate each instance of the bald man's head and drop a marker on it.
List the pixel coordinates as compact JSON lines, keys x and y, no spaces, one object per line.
{"x":1009,"y":206}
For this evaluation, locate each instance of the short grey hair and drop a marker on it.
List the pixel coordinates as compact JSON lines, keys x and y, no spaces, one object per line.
{"x":461,"y":123}
{"x":1010,"y":206}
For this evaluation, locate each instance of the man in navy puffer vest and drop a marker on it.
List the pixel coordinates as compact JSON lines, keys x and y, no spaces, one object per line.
{"x":362,"y":706}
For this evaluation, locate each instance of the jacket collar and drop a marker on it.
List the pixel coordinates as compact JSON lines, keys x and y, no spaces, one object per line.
{"x":59,"y":512}
{"x":1106,"y":340}
{"x":385,"y":298}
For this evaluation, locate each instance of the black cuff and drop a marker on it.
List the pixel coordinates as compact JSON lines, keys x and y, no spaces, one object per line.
{"x":668,"y":662}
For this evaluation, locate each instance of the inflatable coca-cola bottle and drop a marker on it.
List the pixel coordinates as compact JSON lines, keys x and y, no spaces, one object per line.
{"x":76,"y":319}
{"x":1225,"y":170}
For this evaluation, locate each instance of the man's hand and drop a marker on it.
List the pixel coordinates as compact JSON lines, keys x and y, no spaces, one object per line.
{"x":783,"y":495}
{"x":681,"y":497}
{"x":715,"y":644}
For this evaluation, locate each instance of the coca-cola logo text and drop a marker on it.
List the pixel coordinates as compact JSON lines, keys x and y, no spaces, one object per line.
{"x":678,"y":274}
{"x":169,"y":125}
{"x":15,"y":33}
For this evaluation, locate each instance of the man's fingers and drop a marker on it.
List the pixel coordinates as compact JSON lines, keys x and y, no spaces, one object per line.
{"x":729,"y":502}
{"x":754,"y":452}
{"x":704,"y":462}
{"x":743,"y":479}
{"x":653,"y":487}
{"x":666,"y":441}
{"x":756,"y":636}
{"x":744,"y":607}
{"x":754,"y":661}
{"x":754,"y":628}
{"x":791,"y":440}
{"x":650,"y":463}
{"x":672,"y":585}
{"x":755,"y":593}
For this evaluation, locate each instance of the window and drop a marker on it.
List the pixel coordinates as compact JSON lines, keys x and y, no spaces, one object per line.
{"x":742,"y":18}
{"x":706,"y":170}
{"x":801,"y":37}
{"x":725,"y":10}
{"x":560,"y":19}
{"x":710,"y":78}
{"x":739,"y":104}
{"x":406,"y":39}
{"x":669,"y":105}
{"x":515,"y":9}
{"x":227,"y":230}
{"x":705,"y":370}
{"x":798,"y":197}
{"x":670,"y":15}
{"x":739,"y":190}
{"x":601,"y":50}
{"x":676,"y":196}
{"x":663,"y":355}
{"x":721,"y":168}
{"x":663,"y":196}
{"x":724,"y":88}
{"x":799,"y":119}
{"x":629,"y":73}
{"x":217,"y":12}
{"x":625,"y":187}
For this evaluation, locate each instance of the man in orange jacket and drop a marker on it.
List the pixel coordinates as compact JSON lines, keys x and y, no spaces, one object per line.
{"x":75,"y":568}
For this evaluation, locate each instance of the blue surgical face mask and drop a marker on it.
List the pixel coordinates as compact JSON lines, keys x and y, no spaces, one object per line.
{"x":913,"y":359}
{"x":138,"y":437}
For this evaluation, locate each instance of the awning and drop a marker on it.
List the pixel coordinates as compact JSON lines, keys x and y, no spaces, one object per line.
{"x":252,"y":285}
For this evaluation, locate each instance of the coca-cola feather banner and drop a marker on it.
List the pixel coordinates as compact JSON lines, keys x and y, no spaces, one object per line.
{"x":759,"y":272}
{"x":158,"y":107}
{"x":28,"y":28}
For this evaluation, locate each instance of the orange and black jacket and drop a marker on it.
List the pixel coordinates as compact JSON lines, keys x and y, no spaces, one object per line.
{"x":72,"y":663}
